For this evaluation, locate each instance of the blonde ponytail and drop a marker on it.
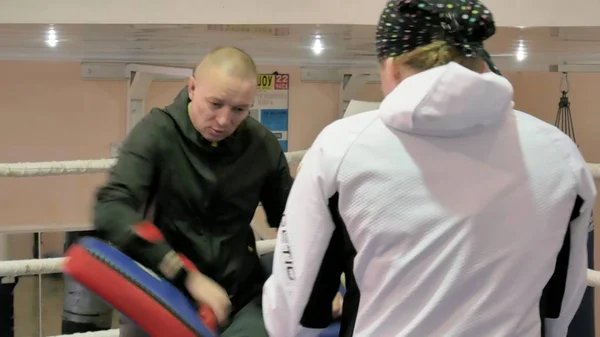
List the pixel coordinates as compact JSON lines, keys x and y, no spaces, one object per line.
{"x":438,"y":53}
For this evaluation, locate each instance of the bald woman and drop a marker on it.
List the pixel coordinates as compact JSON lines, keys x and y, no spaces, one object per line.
{"x":205,"y":167}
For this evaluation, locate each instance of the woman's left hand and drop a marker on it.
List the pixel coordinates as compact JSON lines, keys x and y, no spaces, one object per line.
{"x":336,"y":306}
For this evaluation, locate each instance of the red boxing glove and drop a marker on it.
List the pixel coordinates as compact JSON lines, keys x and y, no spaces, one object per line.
{"x":149,"y":232}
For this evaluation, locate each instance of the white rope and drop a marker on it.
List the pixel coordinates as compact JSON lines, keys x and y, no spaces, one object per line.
{"x":31,"y":267}
{"x":54,"y":265}
{"x":265,"y":246}
{"x":294,"y":157}
{"x":105,"y":333}
{"x":54,"y":168}
{"x":593,"y":278}
{"x":595,"y":170}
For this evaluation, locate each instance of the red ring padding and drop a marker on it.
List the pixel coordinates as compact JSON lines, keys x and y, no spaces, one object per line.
{"x":154,"y":304}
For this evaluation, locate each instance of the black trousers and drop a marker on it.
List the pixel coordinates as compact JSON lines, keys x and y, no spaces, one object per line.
{"x":248,"y":322}
{"x":583,"y":324}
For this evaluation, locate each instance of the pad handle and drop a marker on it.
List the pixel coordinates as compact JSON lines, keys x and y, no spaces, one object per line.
{"x":149,"y":232}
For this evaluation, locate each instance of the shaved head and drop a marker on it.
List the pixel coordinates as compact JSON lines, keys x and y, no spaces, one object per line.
{"x":229,"y":61}
{"x":221,"y":92}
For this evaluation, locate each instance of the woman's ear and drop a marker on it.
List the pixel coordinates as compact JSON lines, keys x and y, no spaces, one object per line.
{"x":390,"y":66}
{"x":390,"y":75}
{"x":485,"y":68}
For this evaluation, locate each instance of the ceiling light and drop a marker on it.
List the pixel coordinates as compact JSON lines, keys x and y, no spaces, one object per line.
{"x":521,"y":54}
{"x":51,"y":38}
{"x":317,"y":46}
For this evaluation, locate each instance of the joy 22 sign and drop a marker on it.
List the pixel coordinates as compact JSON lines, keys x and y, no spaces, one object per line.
{"x":274,"y":82}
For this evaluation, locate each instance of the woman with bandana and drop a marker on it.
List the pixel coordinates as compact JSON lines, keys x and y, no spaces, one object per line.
{"x":449,"y":212}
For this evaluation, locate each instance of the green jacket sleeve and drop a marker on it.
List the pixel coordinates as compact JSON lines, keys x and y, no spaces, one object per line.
{"x":120,"y":202}
{"x":275,"y":191}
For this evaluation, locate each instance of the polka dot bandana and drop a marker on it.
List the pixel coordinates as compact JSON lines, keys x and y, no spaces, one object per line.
{"x":406,"y":25}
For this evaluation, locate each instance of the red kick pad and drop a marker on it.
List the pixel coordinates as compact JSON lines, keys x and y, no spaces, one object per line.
{"x":154,"y":304}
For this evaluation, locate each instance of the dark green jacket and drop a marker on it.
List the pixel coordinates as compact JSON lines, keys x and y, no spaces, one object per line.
{"x":204,"y":196}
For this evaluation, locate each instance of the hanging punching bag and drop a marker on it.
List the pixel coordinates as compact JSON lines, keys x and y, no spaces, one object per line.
{"x":583,"y":322}
{"x":83,"y":311}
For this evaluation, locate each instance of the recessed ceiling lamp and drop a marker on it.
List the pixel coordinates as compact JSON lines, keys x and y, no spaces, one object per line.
{"x":521,"y":54}
{"x":51,"y":39}
{"x":317,"y":46}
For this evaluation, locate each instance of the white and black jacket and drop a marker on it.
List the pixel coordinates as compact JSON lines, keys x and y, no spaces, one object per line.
{"x":450,"y":213}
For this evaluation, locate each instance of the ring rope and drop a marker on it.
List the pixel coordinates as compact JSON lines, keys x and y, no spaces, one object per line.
{"x":54,"y":265}
{"x":53,"y":168}
{"x":593,"y":278}
{"x":73,"y":167}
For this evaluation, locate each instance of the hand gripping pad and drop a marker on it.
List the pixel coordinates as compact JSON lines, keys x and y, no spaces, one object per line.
{"x":151,"y":233}
{"x":151,"y":302}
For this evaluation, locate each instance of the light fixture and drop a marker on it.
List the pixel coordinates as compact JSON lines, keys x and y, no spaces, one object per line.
{"x":51,"y":39}
{"x":521,"y":54}
{"x":317,"y":46}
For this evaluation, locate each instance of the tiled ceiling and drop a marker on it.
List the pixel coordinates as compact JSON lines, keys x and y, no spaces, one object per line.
{"x":344,"y":45}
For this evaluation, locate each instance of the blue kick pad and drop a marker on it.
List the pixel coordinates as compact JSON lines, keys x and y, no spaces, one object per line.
{"x":332,"y":331}
{"x":169,"y":296}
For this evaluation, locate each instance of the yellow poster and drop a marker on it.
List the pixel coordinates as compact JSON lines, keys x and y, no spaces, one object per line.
{"x":265,"y":82}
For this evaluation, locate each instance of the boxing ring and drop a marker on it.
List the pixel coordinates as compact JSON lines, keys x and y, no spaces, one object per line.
{"x":44,"y":266}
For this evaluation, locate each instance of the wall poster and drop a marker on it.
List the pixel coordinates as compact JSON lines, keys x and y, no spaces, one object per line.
{"x":271,"y":105}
